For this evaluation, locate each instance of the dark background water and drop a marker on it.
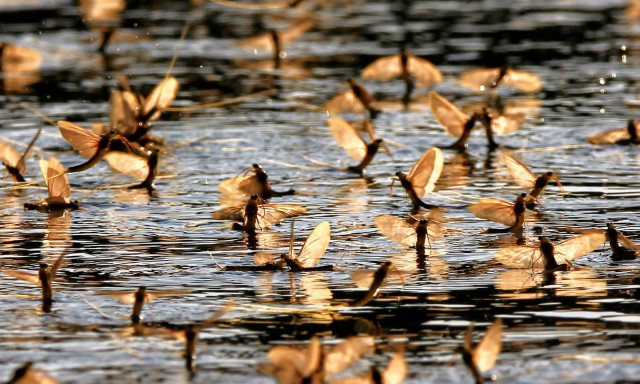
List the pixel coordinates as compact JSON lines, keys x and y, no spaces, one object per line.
{"x":585,"y":52}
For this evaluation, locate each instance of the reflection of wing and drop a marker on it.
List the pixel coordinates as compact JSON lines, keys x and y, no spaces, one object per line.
{"x":383,"y":69}
{"x":503,"y":124}
{"x":128,"y":163}
{"x":160,"y":97}
{"x":448,"y":115}
{"x":426,"y":171}
{"x":522,"y":80}
{"x":497,"y":210}
{"x":28,"y":277}
{"x":570,"y":249}
{"x":9,"y":155}
{"x":300,"y":27}
{"x":84,"y":141}
{"x":347,"y":101}
{"x":347,"y":137}
{"x":396,"y":370}
{"x":425,"y":72}
{"x":477,"y":79}
{"x":486,"y":352}
{"x":57,"y":186}
{"x":519,"y":172}
{"x":269,"y":214}
{"x":521,"y":256}
{"x":315,"y":245}
{"x":397,"y":230}
{"x":609,"y":137}
{"x":241,"y":185}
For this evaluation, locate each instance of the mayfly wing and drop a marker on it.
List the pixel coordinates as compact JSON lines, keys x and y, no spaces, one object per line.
{"x":343,"y":355}
{"x":160,"y":97}
{"x":262,"y":259}
{"x":9,"y":155}
{"x":56,"y":265}
{"x":297,"y":29}
{"x":426,"y":171}
{"x":519,"y":172}
{"x":348,"y":138}
{"x":572,"y":248}
{"x":344,"y":102}
{"x":124,"y":109}
{"x":57,"y":186}
{"x":128,"y":163}
{"x":424,"y":71}
{"x":497,"y":210}
{"x":269,"y":214}
{"x":315,"y":246}
{"x":478,"y":79}
{"x":383,"y":69}
{"x":486,"y":352}
{"x":397,"y":230}
{"x":396,"y":370}
{"x":362,"y":277}
{"x":521,"y":256}
{"x":230,"y":213}
{"x":84,"y":141}
{"x":522,"y":80}
{"x":503,"y":124}
{"x":21,"y":165}
{"x":28,"y":277}
{"x":609,"y":137}
{"x":448,"y":115}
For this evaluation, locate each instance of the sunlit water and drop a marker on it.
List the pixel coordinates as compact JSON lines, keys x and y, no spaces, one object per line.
{"x":124,"y":239}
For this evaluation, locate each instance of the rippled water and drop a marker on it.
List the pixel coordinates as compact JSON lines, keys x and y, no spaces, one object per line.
{"x":585,"y":54}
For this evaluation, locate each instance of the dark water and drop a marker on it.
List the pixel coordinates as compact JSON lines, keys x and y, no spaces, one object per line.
{"x":585,"y":52}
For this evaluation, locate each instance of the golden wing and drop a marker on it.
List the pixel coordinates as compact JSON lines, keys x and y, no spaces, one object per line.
{"x":269,"y":214}
{"x":347,"y":137}
{"x":126,"y":297}
{"x":521,"y":256}
{"x":124,"y":109}
{"x":448,"y":115}
{"x":230,"y":213}
{"x":347,"y":101}
{"x":362,"y":277}
{"x":300,"y":27}
{"x":426,"y":171}
{"x":503,"y":124}
{"x":479,"y":79}
{"x":241,"y":185}
{"x":315,"y":246}
{"x":150,"y":296}
{"x":128,"y":163}
{"x":10,"y":156}
{"x":497,"y":210}
{"x":486,"y":352}
{"x":262,"y":259}
{"x":343,"y":355}
{"x":160,"y":97}
{"x":519,"y":172}
{"x":522,"y":80}
{"x":57,"y":186}
{"x":28,"y":277}
{"x":609,"y":137}
{"x":424,"y":71}
{"x":396,"y":230}
{"x":626,"y":242}
{"x":572,"y":248}
{"x":383,"y":69}
{"x":396,"y":370}
{"x":84,"y":141}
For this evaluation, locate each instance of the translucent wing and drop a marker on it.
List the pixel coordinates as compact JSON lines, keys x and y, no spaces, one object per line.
{"x":396,"y":370}
{"x":22,"y":165}
{"x":160,"y":97}
{"x":9,"y":155}
{"x":344,"y":102}
{"x":348,"y":138}
{"x":448,"y":115}
{"x":263,"y":259}
{"x":124,"y":109}
{"x":424,"y":71}
{"x":396,"y":230}
{"x":519,"y":172}
{"x":84,"y":141}
{"x":503,"y":124}
{"x":57,"y":186}
{"x":230,"y":213}
{"x":522,"y":80}
{"x":497,"y":210}
{"x":28,"y":277}
{"x":362,"y":277}
{"x":486,"y":352}
{"x":56,"y":265}
{"x":478,"y":79}
{"x":264,"y":41}
{"x":383,"y":69}
{"x":521,"y":256}
{"x":241,"y":185}
{"x":269,"y":214}
{"x":426,"y":171}
{"x":570,"y":249}
{"x":128,"y":163}
{"x":300,"y":27}
{"x":150,"y":296}
{"x":315,"y":245}
{"x":609,"y":137}
{"x":343,"y":355}
{"x":626,"y":242}
{"x":125,"y":297}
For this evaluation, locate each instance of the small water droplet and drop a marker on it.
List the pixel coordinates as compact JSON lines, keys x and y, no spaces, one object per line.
{"x":601,"y":80}
{"x":602,"y":110}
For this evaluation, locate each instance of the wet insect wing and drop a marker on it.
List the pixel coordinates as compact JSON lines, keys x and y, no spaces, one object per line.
{"x":124,"y":109}
{"x":396,"y":370}
{"x":522,"y":80}
{"x":128,"y":163}
{"x":424,"y":71}
{"x":347,"y":101}
{"x":521,"y":256}
{"x":609,"y":137}
{"x":57,"y":186}
{"x":486,"y":353}
{"x":314,"y":246}
{"x":269,"y":214}
{"x":448,"y":115}
{"x":480,"y":79}
{"x":500,"y":211}
{"x":10,"y":156}
{"x":396,"y":230}
{"x":426,"y":171}
{"x":519,"y":172}
{"x":348,"y":138}
{"x":383,"y":69}
{"x":503,"y":124}
{"x":84,"y":141}
{"x":160,"y":98}
{"x":571,"y":249}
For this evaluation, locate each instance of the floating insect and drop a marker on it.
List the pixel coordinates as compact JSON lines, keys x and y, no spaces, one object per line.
{"x":483,"y":357}
{"x":29,"y":375}
{"x":15,"y":162}
{"x":360,"y":277}
{"x":257,"y":214}
{"x":43,"y":278}
{"x":252,"y":184}
{"x":417,"y":235}
{"x":348,"y":138}
{"x":58,"y":187}
{"x":357,"y":99}
{"x":138,"y":299}
{"x":625,"y":136}
{"x":548,"y":256}
{"x":404,"y":65}
{"x":422,"y":177}
{"x":621,"y":246}
{"x":87,"y":143}
{"x":141,"y":168}
{"x":485,"y":78}
{"x":312,"y":250}
{"x":527,"y":179}
{"x":513,"y":215}
{"x":455,"y":122}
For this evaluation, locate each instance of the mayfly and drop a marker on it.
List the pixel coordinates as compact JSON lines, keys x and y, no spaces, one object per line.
{"x":312,"y":250}
{"x":376,"y":279}
{"x":357,"y":99}
{"x":624,"y":136}
{"x":141,"y":168}
{"x":548,"y":256}
{"x":422,"y":177}
{"x":486,"y":78}
{"x":57,"y":186}
{"x":43,"y":278}
{"x":138,"y":299}
{"x":418,"y":235}
{"x":621,"y":246}
{"x":14,"y":161}
{"x":511,"y":214}
{"x":26,"y":374}
{"x":527,"y":179}
{"x":87,"y":143}
{"x":257,"y":214}
{"x":348,"y":138}
{"x":483,"y":356}
{"x":252,"y":184}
